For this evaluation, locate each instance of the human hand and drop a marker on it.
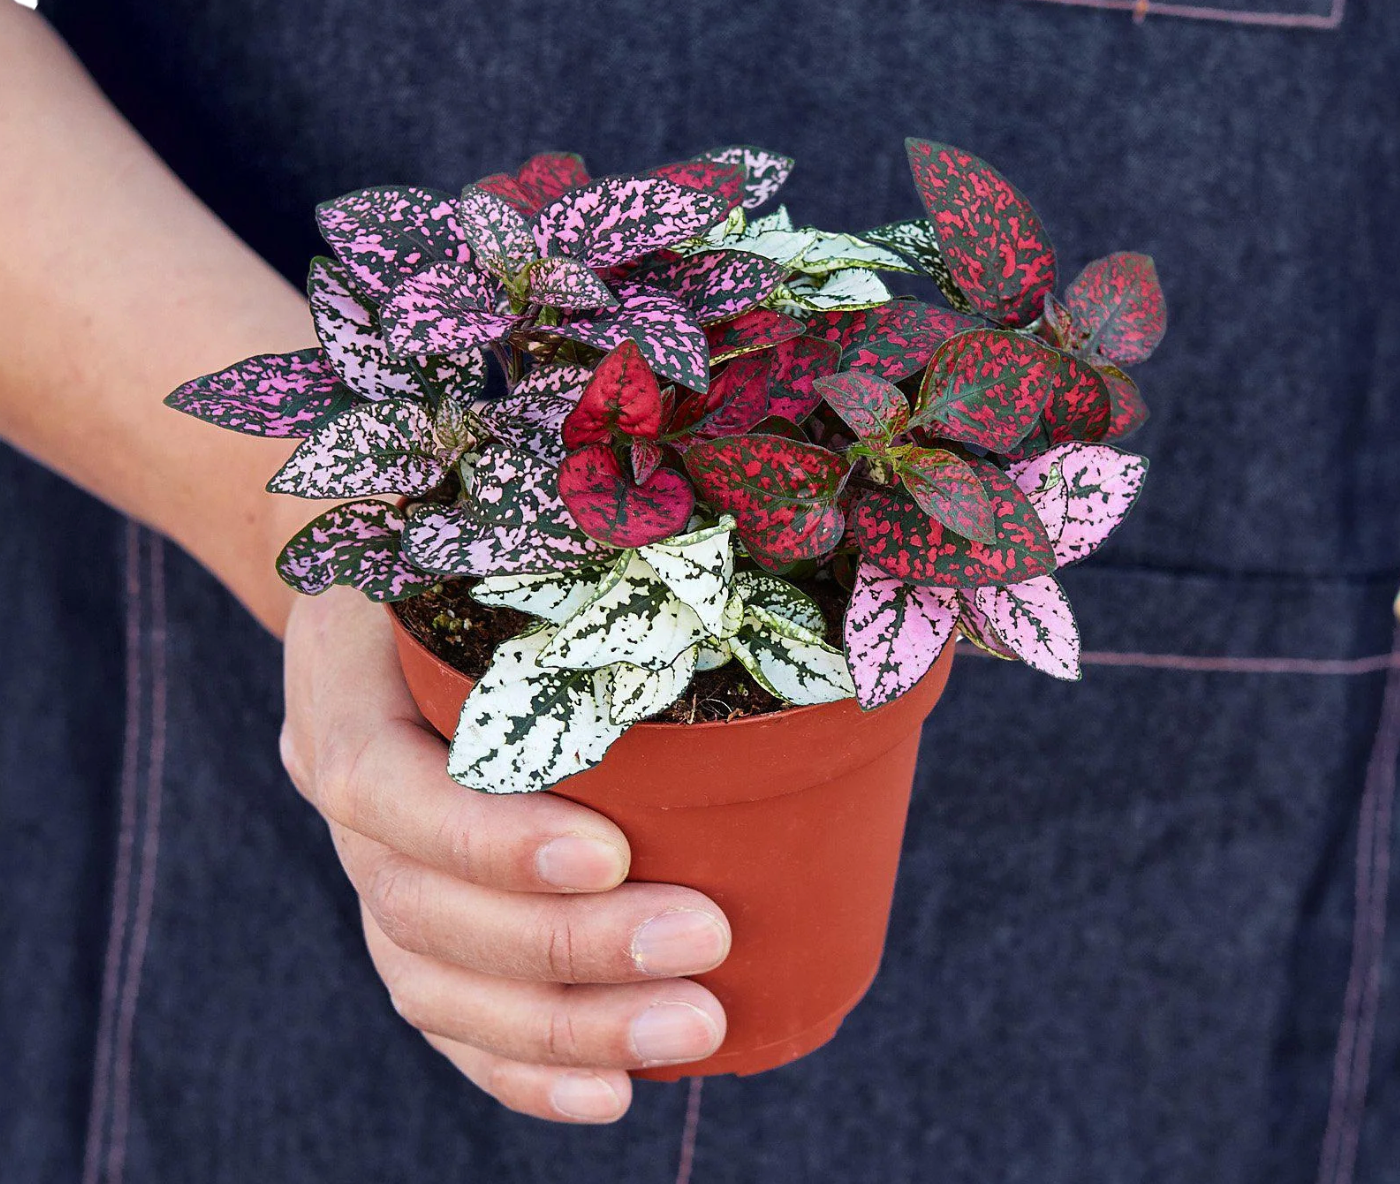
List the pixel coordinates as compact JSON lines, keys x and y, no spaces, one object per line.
{"x":500,"y":925}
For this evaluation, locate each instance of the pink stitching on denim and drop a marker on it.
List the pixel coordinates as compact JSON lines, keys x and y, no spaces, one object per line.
{"x":1351,"y":1068}
{"x":690,"y":1131}
{"x":1141,"y":9}
{"x":145,"y":897}
{"x":121,"y":885}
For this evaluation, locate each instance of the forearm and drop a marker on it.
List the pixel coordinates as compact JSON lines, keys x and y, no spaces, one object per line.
{"x":116,"y":285}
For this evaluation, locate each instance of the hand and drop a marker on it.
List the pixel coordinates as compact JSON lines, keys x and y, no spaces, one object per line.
{"x":500,"y":925}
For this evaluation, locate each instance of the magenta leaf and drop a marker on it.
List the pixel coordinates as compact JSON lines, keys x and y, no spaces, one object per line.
{"x":724,"y":181}
{"x":356,"y":543}
{"x":900,"y":538}
{"x":891,"y":341}
{"x":1082,"y":492}
{"x":946,"y":486}
{"x":714,"y":285}
{"x":385,"y":234}
{"x":988,"y":387}
{"x":620,"y":218}
{"x":973,"y":624}
{"x":609,"y":507}
{"x":737,"y":399}
{"x":445,"y":308}
{"x":532,"y":416}
{"x":549,"y":175}
{"x":782,"y":492}
{"x":499,"y":236}
{"x":797,"y":364}
{"x":756,"y":329}
{"x":917,"y":242}
{"x":349,"y":331}
{"x":996,"y":249}
{"x":515,"y":523}
{"x":568,"y":284}
{"x":877,"y":411}
{"x":665,"y":331}
{"x":276,"y":395}
{"x":894,"y":633}
{"x":622,"y":398}
{"x":1118,"y":308}
{"x":764,"y":171}
{"x":1127,"y":409}
{"x":1035,"y":622}
{"x":384,"y":447}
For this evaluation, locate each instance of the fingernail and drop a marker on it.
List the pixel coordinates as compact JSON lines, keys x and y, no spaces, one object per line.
{"x":586,"y":1096}
{"x":684,"y":941}
{"x":585,"y":865}
{"x":670,"y":1032}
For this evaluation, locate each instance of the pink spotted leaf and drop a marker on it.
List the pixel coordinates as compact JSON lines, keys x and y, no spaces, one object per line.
{"x":348,"y":328}
{"x":996,"y":249}
{"x":903,"y":540}
{"x":714,"y":285}
{"x":988,"y":387}
{"x":610,"y":507}
{"x":1117,"y":306}
{"x":947,"y":487}
{"x":622,"y":399}
{"x":622,"y":218}
{"x":568,"y":284}
{"x":1034,"y":620}
{"x":1082,"y":493}
{"x":274,"y":395}
{"x":445,"y":308}
{"x":783,"y":493}
{"x":499,"y":236}
{"x":356,"y":543}
{"x":724,"y":181}
{"x":532,"y":416}
{"x":384,"y":447}
{"x":664,"y":330}
{"x":894,"y":633}
{"x":383,"y":235}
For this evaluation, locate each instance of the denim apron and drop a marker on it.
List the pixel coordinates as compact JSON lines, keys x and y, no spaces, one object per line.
{"x":1142,"y":930}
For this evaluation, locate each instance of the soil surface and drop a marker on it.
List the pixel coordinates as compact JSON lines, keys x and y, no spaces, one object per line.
{"x":464,"y":634}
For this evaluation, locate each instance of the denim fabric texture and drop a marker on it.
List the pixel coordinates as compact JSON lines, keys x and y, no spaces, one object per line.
{"x":1125,"y":943}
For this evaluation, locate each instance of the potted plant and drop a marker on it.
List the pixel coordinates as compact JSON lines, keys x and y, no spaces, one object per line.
{"x":721,"y":479}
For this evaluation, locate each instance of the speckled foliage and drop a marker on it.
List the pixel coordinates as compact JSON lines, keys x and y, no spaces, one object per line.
{"x":704,"y":403}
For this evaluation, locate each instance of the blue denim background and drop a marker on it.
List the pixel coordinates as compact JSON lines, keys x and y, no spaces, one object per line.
{"x":1123,"y":927}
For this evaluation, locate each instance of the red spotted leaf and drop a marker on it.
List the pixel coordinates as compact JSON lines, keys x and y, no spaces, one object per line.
{"x":356,"y":543}
{"x":610,"y":507}
{"x":737,"y":399}
{"x":894,"y":633}
{"x":1033,"y":619}
{"x":1059,"y":325}
{"x":384,"y":234}
{"x":668,"y":335}
{"x":757,"y":329}
{"x":714,"y":285}
{"x":797,"y":364}
{"x":946,"y":486}
{"x":764,"y":171}
{"x":622,"y":218}
{"x":996,"y":249}
{"x":989,"y":387}
{"x":568,"y":284}
{"x":1080,"y":405}
{"x":900,"y":538}
{"x":917,"y":242}
{"x":445,"y":308}
{"x":549,"y":175}
{"x":646,"y":457}
{"x":783,"y":493}
{"x":500,"y":237}
{"x":508,"y":189}
{"x":622,"y":399}
{"x":724,"y":181}
{"x":274,"y":395}
{"x":877,"y":411}
{"x":1128,"y":410}
{"x":1118,"y":308}
{"x":892,"y":341}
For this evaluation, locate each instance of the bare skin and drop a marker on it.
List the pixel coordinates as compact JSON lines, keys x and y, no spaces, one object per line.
{"x":501,"y":926}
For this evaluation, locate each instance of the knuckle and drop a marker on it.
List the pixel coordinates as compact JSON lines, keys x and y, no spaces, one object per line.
{"x":561,"y":1039}
{"x":502,"y":1079}
{"x":340,"y":781}
{"x":394,"y":895}
{"x":561,"y":949}
{"x":292,"y":762}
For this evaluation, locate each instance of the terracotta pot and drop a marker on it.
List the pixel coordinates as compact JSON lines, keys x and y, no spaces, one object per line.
{"x":790,"y":822}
